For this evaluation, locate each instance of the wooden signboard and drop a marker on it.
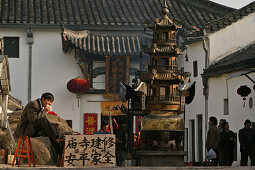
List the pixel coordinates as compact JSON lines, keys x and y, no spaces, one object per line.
{"x":116,"y":72}
{"x":109,"y":106}
{"x":90,"y":150}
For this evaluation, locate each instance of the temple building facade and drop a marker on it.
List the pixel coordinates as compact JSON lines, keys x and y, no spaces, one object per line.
{"x":101,"y":41}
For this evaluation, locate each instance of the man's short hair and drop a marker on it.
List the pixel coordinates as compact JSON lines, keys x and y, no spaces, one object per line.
{"x":222,"y":120}
{"x":247,"y":122}
{"x":214,"y":120}
{"x":48,"y":96}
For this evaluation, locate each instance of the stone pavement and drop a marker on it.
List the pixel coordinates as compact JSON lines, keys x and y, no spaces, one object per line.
{"x":43,"y":167}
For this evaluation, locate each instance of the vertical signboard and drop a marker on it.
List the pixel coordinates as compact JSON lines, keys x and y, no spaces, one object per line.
{"x":90,"y":123}
{"x":117,"y":71}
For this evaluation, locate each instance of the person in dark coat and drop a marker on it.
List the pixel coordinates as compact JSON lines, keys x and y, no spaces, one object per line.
{"x":227,"y":143}
{"x":33,"y":121}
{"x":221,"y":127}
{"x":212,"y":138}
{"x":247,"y":143}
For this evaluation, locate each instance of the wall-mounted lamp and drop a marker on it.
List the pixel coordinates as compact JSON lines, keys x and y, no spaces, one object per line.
{"x":187,"y":58}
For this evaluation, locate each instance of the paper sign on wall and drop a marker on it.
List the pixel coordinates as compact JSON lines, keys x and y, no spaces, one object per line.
{"x":90,"y":150}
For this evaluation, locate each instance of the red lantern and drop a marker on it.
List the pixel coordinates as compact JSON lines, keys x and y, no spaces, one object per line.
{"x":243,"y":91}
{"x":78,"y":86}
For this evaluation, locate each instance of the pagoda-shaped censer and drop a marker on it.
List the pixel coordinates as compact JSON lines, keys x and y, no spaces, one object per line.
{"x":162,"y":127}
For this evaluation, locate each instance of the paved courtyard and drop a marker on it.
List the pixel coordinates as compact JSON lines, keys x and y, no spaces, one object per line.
{"x":41,"y":167}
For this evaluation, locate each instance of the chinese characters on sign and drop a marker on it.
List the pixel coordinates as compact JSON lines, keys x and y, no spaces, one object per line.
{"x":90,"y":150}
{"x":117,"y":70}
{"x":109,"y":106}
{"x":117,"y":73}
{"x":90,"y":124}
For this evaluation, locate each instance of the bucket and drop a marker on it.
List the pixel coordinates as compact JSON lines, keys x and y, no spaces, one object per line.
{"x":3,"y":156}
{"x":10,"y":159}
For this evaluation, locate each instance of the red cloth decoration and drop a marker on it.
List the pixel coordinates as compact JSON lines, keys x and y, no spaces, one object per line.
{"x":52,"y":113}
{"x":78,"y":86}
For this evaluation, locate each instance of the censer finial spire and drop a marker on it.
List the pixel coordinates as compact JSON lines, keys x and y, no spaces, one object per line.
{"x":165,"y":5}
{"x":165,"y":11}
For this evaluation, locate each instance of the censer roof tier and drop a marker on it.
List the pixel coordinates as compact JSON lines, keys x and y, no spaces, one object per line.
{"x":163,"y":49}
{"x":153,"y":74}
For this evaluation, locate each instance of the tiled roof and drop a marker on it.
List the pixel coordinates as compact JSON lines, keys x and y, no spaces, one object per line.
{"x":230,"y":18}
{"x":121,"y":43}
{"x":241,"y":59}
{"x":106,"y":12}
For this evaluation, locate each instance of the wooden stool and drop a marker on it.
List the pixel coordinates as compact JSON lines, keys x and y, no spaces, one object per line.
{"x":62,"y":157}
{"x":22,"y":150}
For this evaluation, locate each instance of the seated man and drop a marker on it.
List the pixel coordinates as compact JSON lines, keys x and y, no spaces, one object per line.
{"x":33,"y":121}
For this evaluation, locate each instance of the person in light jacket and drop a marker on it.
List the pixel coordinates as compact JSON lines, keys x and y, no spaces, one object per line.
{"x":212,"y":138}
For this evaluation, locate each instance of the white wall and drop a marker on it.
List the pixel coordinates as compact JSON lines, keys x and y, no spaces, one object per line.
{"x":232,"y":37}
{"x":51,"y":71}
{"x":99,"y":81}
{"x":91,"y":103}
{"x":18,"y":66}
{"x":197,"y":107}
{"x":223,"y":87}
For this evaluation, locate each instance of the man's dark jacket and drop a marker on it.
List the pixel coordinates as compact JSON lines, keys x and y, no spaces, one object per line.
{"x":27,"y":123}
{"x":246,"y":139}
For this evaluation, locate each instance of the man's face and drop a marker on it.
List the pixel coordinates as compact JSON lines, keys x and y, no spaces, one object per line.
{"x":46,"y":102}
{"x":247,"y":126}
{"x":227,"y":126}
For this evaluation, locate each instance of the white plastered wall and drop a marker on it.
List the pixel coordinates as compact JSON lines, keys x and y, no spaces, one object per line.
{"x":18,"y":66}
{"x":223,"y":87}
{"x":195,"y":52}
{"x":51,"y":70}
{"x":232,"y":37}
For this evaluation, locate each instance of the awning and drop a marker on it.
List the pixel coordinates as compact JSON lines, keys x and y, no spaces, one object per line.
{"x":108,"y":43}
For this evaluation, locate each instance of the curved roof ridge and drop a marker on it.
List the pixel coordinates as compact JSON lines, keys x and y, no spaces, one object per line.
{"x":241,"y":58}
{"x":212,"y":4}
{"x":229,"y":18}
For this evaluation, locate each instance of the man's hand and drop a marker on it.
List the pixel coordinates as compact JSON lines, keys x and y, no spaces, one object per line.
{"x":55,"y":125}
{"x":46,"y":109}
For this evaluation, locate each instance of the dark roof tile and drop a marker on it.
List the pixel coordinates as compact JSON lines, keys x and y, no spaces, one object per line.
{"x":241,"y":59}
{"x":108,"y":12}
{"x":228,"y":19}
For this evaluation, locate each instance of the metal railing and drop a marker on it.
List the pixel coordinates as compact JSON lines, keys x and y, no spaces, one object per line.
{"x":164,"y":41}
{"x":163,"y":98}
{"x":163,"y":68}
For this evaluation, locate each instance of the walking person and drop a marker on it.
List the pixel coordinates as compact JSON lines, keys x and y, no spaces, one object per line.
{"x":227,"y":144}
{"x":247,"y":143}
{"x":212,"y":138}
{"x":221,"y":127}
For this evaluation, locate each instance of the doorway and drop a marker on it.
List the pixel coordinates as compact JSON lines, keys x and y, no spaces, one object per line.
{"x":200,"y":138}
{"x":192,"y":125}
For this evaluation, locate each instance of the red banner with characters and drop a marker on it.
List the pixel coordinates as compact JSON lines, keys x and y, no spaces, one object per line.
{"x":90,"y":123}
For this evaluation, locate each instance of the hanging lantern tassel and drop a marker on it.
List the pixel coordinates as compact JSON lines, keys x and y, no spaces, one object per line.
{"x":78,"y":98}
{"x":244,"y":101}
